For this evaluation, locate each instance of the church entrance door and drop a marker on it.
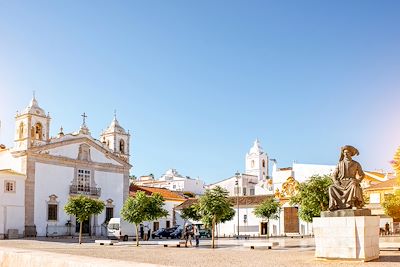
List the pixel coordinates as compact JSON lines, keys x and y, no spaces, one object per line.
{"x":291,"y":219}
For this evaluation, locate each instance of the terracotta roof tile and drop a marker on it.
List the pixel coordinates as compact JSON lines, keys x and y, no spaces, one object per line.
{"x":243,"y":201}
{"x":382,"y":185}
{"x":167,"y":194}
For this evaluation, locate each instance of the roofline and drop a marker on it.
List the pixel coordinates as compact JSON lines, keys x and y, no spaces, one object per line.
{"x":79,"y":139}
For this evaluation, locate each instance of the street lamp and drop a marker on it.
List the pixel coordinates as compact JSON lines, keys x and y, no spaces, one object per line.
{"x":237,"y":201}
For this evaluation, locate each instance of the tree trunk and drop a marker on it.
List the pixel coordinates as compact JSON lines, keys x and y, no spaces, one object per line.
{"x":267,"y":228}
{"x":213,"y":233}
{"x":137,"y":236}
{"x":80,"y":232}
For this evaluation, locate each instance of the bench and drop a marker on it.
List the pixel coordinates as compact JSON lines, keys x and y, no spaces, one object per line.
{"x":105,"y":242}
{"x":291,"y":235}
{"x":395,"y":245}
{"x":268,"y":245}
{"x":172,"y":243}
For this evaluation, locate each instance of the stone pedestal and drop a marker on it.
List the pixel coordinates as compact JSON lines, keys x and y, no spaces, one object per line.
{"x":348,"y":238}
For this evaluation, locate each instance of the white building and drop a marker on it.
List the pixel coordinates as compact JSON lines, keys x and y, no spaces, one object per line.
{"x":255,"y":179}
{"x":172,"y":199}
{"x":299,"y":172}
{"x":172,"y":180}
{"x":12,"y":198}
{"x":56,"y":168}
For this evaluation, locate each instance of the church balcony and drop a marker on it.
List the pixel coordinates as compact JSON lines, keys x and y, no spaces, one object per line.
{"x":84,"y":190}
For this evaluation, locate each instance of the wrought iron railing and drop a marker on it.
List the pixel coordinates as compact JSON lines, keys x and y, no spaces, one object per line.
{"x":84,"y":190}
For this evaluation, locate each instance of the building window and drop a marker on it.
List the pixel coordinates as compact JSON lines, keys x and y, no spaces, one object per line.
{"x":237,"y":191}
{"x":263,"y":163}
{"x":244,"y":191}
{"x":252,"y":192}
{"x":52,"y":210}
{"x":9,"y":186}
{"x":156,"y":226}
{"x":109,"y":213}
{"x":252,"y":163}
{"x":167,"y":224}
{"x":122,"y":146}
{"x":83,"y":181}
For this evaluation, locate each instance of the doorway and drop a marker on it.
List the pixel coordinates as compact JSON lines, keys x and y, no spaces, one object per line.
{"x":85,"y":227}
{"x":264,"y":228}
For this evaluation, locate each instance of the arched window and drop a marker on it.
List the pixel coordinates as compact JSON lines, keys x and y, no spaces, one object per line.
{"x":252,"y":163}
{"x":122,"y":146}
{"x":21,"y":130}
{"x":38,"y":131}
{"x":263,"y":163}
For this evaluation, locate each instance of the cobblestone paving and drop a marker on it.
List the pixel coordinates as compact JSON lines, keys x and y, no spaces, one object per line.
{"x":291,"y":252}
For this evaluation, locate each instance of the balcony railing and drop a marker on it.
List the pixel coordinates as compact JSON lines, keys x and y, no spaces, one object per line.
{"x":85,"y":190}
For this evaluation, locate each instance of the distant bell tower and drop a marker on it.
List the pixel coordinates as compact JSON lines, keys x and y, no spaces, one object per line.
{"x":257,"y":161}
{"x":116,"y":139}
{"x":32,"y":127}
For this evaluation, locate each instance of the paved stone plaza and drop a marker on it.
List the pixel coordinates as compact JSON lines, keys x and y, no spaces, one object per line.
{"x":291,"y":252}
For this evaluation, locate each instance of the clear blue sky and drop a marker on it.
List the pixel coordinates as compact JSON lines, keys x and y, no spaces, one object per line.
{"x":197,"y":81}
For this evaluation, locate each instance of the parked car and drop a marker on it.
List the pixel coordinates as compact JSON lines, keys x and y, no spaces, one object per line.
{"x":164,"y":232}
{"x":205,"y":233}
{"x":177,"y":233}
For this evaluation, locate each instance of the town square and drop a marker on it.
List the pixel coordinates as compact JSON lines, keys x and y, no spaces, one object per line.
{"x":199,"y":133}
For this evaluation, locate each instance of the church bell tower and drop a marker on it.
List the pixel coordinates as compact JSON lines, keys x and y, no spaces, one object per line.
{"x":116,"y":139}
{"x":257,"y":161}
{"x":32,"y":127}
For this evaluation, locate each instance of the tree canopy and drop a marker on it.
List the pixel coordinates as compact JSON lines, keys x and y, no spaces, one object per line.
{"x":214,"y":207}
{"x":82,"y":207}
{"x":391,"y":205}
{"x":143,"y":208}
{"x":312,"y":197}
{"x":191,"y":213}
{"x":268,"y":209}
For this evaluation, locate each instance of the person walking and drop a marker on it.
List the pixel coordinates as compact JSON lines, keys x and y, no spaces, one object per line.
{"x":387,"y":229}
{"x":196,"y":233}
{"x":188,"y":234}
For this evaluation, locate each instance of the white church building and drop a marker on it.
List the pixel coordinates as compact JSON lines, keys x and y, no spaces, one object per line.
{"x":39,"y":174}
{"x":247,"y":190}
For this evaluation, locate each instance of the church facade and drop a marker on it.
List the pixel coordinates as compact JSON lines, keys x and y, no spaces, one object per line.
{"x":53,"y":169}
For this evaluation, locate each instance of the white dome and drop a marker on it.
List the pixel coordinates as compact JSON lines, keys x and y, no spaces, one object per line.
{"x":34,"y":108}
{"x":256,"y":148}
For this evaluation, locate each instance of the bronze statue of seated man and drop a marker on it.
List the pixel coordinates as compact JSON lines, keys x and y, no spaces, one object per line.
{"x":346,"y":192}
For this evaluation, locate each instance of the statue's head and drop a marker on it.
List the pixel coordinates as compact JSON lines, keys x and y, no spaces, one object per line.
{"x":348,"y":151}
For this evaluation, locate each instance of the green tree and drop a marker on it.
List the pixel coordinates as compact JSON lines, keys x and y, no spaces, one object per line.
{"x":143,"y":208}
{"x":391,"y":205}
{"x":312,"y":197}
{"x":82,"y":207}
{"x":268,"y":209}
{"x":215,"y":207}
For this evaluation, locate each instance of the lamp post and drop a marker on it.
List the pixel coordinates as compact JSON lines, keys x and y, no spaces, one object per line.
{"x":237,"y":201}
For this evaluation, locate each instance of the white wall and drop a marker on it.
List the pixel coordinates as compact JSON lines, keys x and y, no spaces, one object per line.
{"x":244,"y":181}
{"x":51,"y":179}
{"x":12,"y":211}
{"x":54,"y":179}
{"x":111,"y":185}
{"x":303,"y":172}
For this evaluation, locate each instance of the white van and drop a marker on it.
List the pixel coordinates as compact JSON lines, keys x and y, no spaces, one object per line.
{"x":120,"y":229}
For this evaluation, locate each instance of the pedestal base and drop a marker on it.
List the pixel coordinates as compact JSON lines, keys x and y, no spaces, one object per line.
{"x":349,"y":238}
